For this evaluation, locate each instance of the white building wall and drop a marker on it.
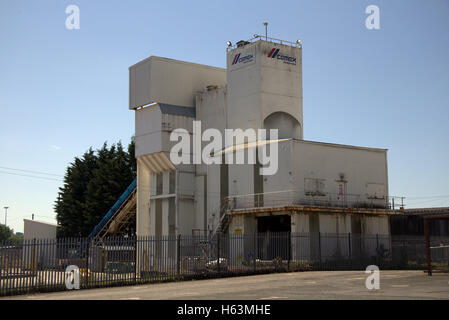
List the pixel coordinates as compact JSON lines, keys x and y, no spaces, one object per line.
{"x":263,"y":85}
{"x":211,"y":111}
{"x":163,"y":80}
{"x":44,"y":235}
{"x":361,"y":168}
{"x":38,"y":230}
{"x":284,"y":178}
{"x":213,"y":195}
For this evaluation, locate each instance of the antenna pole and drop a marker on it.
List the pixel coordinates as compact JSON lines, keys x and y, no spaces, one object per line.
{"x":266,"y":30}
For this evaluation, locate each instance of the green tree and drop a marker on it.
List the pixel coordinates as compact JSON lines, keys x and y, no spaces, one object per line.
{"x":5,"y":232}
{"x":16,"y":238}
{"x":132,"y":155}
{"x":111,"y":177}
{"x":92,"y":184}
{"x":72,"y":196}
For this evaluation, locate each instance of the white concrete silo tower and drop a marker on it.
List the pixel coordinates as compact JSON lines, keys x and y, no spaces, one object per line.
{"x":264,"y":80}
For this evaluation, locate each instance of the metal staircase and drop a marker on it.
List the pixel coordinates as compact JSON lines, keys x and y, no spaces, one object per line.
{"x":225,"y":218}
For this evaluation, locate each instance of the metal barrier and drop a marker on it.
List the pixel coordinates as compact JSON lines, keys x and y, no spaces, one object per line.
{"x":295,"y":197}
{"x":42,"y":265}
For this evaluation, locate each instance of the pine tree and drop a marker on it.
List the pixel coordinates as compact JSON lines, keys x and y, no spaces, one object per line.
{"x":92,"y":184}
{"x":112,"y":176}
{"x":72,"y":196}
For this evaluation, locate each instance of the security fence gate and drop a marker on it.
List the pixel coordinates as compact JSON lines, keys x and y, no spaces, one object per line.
{"x":43,"y":265}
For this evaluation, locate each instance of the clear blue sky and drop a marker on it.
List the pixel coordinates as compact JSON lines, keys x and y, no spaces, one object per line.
{"x":62,"y":91}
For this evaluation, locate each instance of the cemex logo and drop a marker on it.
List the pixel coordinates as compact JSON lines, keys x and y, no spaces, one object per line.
{"x":274,"y":53}
{"x":243,"y":59}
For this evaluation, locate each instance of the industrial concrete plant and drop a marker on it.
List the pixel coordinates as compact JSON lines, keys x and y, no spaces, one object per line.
{"x":317,"y":187}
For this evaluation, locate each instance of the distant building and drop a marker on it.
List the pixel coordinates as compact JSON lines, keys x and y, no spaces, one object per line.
{"x":43,"y":234}
{"x":33,"y":229}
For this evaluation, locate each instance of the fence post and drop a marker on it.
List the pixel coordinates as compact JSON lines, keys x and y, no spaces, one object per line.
{"x":178,"y":255}
{"x":377,"y":249}
{"x":87,"y":264}
{"x":136,"y":258}
{"x":218,"y":252}
{"x":349,"y":246}
{"x":33,"y":261}
{"x":319,"y":247}
{"x":254,"y":254}
{"x":289,"y":248}
{"x":429,"y":259}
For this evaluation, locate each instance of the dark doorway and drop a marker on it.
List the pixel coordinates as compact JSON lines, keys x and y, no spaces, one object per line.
{"x":273,"y":237}
{"x":274,"y":224}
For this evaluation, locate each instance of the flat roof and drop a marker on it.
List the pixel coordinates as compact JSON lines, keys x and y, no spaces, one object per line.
{"x":42,"y":222}
{"x":341,"y":145}
{"x":257,"y":143}
{"x":177,"y":61}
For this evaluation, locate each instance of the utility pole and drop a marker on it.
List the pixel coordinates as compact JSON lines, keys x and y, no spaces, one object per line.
{"x":6,"y":214}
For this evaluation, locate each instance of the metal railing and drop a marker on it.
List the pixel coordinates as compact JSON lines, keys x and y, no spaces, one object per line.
{"x":41,"y":265}
{"x":258,"y":37}
{"x":295,"y":197}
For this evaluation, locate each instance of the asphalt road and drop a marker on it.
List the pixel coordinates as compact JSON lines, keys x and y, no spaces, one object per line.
{"x":300,"y":285}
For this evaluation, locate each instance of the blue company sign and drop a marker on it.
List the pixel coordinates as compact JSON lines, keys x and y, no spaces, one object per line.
{"x":274,"y":54}
{"x":243,"y":59}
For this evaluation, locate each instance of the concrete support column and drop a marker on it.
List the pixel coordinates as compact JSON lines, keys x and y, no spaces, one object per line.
{"x":300,"y":243}
{"x":142,"y":216}
{"x":143,"y":200}
{"x":165,"y":226}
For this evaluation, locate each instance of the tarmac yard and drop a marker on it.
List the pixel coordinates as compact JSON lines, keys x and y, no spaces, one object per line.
{"x":299,"y":285}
